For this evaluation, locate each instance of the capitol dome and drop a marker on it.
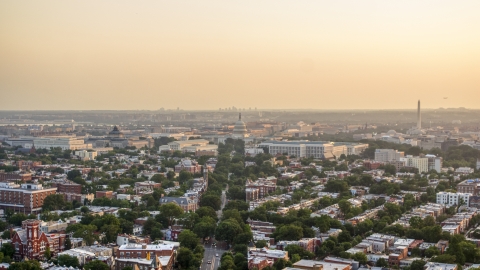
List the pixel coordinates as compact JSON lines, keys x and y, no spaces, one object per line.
{"x":240,"y":128}
{"x":115,"y":133}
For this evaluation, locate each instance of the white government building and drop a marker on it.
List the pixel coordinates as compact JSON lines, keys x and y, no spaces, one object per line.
{"x":314,"y":149}
{"x":64,"y":142}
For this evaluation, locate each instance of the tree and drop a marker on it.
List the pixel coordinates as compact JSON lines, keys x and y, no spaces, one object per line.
{"x":280,"y":264}
{"x":188,"y":239}
{"x":68,"y":261}
{"x":236,"y":193}
{"x":417,"y":265}
{"x":26,"y":265}
{"x":171,"y":211}
{"x":68,"y":243}
{"x":17,"y":218}
{"x":96,"y":265}
{"x":290,"y":232}
{"x":261,"y":244}
{"x":232,"y":213}
{"x":416,"y":222}
{"x":432,"y":251}
{"x":344,"y":206}
{"x":211,"y":200}
{"x":381,"y":263}
{"x":227,"y":230}
{"x":205,"y":228}
{"x":111,"y":231}
{"x":73,"y":174}
{"x":360,"y":257}
{"x":8,"y":250}
{"x":185,"y":258}
{"x":297,"y":250}
{"x":206,"y":211}
{"x":47,"y":253}
{"x":444,"y":258}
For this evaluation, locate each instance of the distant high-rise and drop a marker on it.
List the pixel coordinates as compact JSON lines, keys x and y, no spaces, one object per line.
{"x":419,"y":117}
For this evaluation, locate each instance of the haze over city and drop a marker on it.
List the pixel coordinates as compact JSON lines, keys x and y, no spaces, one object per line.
{"x":129,"y":55}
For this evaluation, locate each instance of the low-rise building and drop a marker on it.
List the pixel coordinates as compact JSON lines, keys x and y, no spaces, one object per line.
{"x":451,"y":199}
{"x":186,"y":203}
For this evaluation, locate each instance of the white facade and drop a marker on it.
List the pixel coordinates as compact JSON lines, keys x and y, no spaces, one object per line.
{"x":451,"y":199}
{"x":181,"y":145}
{"x":86,"y":155}
{"x":65,"y":143}
{"x":387,"y":155}
{"x":464,"y":170}
{"x":417,"y":162}
{"x":434,"y":163}
{"x":253,"y":151}
{"x":314,"y":149}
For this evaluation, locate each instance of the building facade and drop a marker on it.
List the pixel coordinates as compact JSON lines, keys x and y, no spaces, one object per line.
{"x":187,"y":204}
{"x":387,"y":155}
{"x":451,"y":199}
{"x":25,"y":198}
{"x":31,"y":243}
{"x":314,"y":149}
{"x":63,"y":142}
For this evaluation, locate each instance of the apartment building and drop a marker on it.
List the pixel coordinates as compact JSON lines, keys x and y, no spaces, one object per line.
{"x":106,"y":193}
{"x":145,"y":256}
{"x":13,"y":176}
{"x":67,"y":186}
{"x":434,"y":163}
{"x":251,"y":194}
{"x":421,"y":163}
{"x":388,"y":155}
{"x":263,"y":185}
{"x":144,"y":186}
{"x":451,"y":199}
{"x":471,"y":186}
{"x":25,"y":198}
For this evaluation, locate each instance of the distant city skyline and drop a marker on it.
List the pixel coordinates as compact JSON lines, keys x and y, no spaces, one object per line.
{"x":205,"y":55}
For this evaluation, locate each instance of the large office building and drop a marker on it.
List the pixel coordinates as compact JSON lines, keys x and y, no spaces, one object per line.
{"x":25,"y":198}
{"x":314,"y":149}
{"x":387,"y":155}
{"x":189,"y":146}
{"x":63,"y":142}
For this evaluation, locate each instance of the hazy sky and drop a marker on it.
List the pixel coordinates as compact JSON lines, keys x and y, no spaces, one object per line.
{"x":202,"y":54}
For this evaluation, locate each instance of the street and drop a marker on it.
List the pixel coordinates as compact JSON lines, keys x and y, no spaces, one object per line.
{"x":210,"y":255}
{"x":211,"y":251}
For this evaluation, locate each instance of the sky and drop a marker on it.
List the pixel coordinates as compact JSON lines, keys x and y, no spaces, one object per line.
{"x":271,"y":54}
